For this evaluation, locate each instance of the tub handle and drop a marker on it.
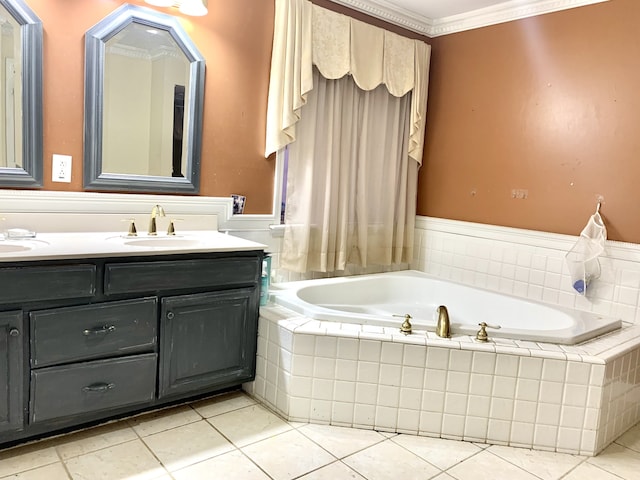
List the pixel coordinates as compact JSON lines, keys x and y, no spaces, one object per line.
{"x":482,"y":336}
{"x":405,"y":328}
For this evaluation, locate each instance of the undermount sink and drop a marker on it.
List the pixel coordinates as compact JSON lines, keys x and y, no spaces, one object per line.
{"x":20,"y":246}
{"x":177,"y":242}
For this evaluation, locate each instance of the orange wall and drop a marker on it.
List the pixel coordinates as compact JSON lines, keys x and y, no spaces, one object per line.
{"x":235,"y":39}
{"x":548,"y":104}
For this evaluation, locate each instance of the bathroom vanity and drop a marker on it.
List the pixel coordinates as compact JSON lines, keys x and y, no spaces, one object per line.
{"x":117,"y":329}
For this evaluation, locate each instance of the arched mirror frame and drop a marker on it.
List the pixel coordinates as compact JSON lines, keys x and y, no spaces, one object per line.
{"x":95,"y":41}
{"x":30,"y":175}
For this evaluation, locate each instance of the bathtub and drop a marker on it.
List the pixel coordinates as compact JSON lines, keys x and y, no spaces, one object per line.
{"x":380,"y":299}
{"x":330,"y":352}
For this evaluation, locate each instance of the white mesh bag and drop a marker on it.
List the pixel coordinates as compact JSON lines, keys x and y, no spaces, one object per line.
{"x":582,"y":259}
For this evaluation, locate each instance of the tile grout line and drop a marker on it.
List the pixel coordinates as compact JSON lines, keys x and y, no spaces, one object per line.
{"x":335,"y":456}
{"x":390,"y":439}
{"x":202,"y":418}
{"x":445,"y":439}
{"x":513,"y":464}
{"x":237,"y":448}
{"x":583,"y":461}
{"x":64,"y":465}
{"x":122,"y":421}
{"x":152,"y":452}
{"x":324,"y":466}
{"x":254,"y":463}
{"x":469,"y":457}
{"x":12,"y":475}
{"x":299,"y":430}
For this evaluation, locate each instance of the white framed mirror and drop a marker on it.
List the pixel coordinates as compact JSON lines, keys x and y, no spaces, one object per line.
{"x":21,"y":131}
{"x":144,"y":97}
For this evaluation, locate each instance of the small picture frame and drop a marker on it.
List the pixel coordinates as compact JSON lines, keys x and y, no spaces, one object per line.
{"x":238,"y":203}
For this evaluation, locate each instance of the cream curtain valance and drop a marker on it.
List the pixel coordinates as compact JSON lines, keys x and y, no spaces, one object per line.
{"x":305,"y":34}
{"x":343,"y":45}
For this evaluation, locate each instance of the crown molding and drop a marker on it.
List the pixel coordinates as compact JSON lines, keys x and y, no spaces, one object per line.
{"x":391,"y":13}
{"x":503,"y":12}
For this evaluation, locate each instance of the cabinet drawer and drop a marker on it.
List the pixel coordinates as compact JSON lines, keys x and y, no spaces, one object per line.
{"x":26,"y":284}
{"x":180,"y":274}
{"x":83,"y":388}
{"x":71,"y":334}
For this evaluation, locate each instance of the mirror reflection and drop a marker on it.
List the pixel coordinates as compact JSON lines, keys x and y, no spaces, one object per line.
{"x":10,"y":111}
{"x":145,"y":78}
{"x":143,"y":104}
{"x":20,"y":95}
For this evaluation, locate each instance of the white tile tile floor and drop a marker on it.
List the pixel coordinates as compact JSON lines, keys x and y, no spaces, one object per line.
{"x":230,"y":436}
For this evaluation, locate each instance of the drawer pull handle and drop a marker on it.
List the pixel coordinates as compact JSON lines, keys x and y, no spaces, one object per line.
{"x":99,"y":330}
{"x":171,"y":315}
{"x":14,"y":332}
{"x":99,"y":387}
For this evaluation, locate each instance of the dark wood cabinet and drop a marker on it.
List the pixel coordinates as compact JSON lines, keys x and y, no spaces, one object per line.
{"x":208,"y":341}
{"x":84,"y":388}
{"x":71,"y":334}
{"x":11,"y":372}
{"x":85,"y":341}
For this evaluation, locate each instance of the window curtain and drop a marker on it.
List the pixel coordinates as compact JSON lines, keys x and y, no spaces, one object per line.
{"x":307,"y":35}
{"x":351,"y":185}
{"x":355,"y":127}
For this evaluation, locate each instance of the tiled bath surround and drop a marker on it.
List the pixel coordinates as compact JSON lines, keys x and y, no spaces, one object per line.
{"x":568,"y":399}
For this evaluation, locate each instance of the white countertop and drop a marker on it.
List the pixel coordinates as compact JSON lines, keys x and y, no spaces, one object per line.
{"x":60,"y":246}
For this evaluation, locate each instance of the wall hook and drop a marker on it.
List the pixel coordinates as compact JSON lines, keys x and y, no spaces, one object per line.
{"x":599,"y":199}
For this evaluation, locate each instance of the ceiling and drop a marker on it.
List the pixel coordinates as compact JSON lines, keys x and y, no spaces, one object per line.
{"x":440,"y":17}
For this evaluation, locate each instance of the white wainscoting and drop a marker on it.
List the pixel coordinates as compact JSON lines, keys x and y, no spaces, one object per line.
{"x":528,"y":264}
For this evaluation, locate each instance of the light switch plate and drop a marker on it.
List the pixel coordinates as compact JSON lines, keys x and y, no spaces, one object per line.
{"x":61,"y":168}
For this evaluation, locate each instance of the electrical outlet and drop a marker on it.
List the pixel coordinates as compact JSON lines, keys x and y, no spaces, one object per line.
{"x":61,"y":168}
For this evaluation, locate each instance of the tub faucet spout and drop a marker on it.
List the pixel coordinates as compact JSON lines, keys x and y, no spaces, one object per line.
{"x":443,"y":327}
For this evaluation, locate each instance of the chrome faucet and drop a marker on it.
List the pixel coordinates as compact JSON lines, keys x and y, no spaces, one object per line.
{"x":156,"y":211}
{"x":443,"y":327}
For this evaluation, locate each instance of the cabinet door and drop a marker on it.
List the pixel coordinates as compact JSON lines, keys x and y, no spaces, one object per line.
{"x":207,"y":341}
{"x":11,"y":373}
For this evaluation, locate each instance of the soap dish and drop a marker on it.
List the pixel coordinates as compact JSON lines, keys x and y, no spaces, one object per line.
{"x":18,"y":234}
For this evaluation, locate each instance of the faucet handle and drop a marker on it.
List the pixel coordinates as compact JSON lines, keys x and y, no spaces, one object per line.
{"x":132,"y":232}
{"x":171,"y":230}
{"x":405,"y":328}
{"x":482,"y":336}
